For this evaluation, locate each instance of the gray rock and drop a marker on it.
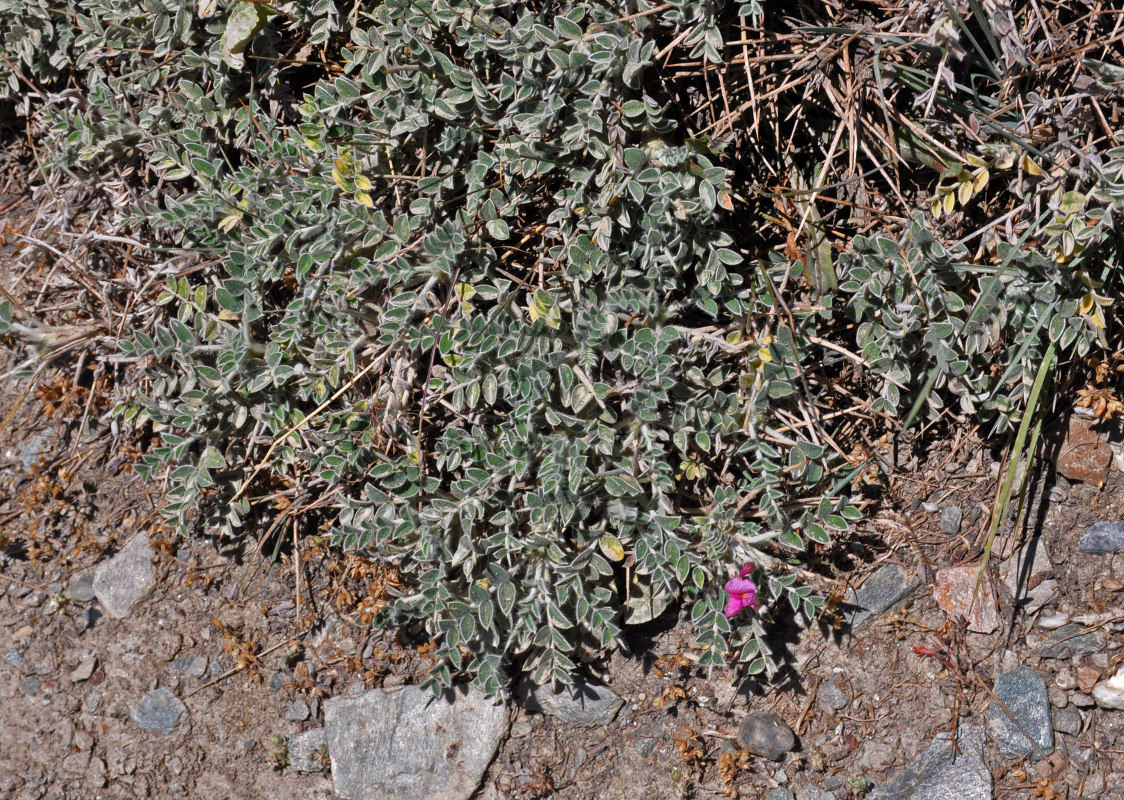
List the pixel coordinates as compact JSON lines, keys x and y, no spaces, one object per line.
{"x":1067,"y":720}
{"x":1065,"y":679}
{"x":950,"y":520}
{"x":1104,"y":537}
{"x":582,"y":704}
{"x":939,"y":773}
{"x":402,"y":743}
{"x":1022,"y":692}
{"x":191,"y":666}
{"x":889,"y":584}
{"x":30,"y":685}
{"x":123,"y":580}
{"x":80,"y":588}
{"x":765,"y":735}
{"x":816,"y":793}
{"x":1082,"y":700}
{"x":298,"y":711}
{"x":1095,"y":784}
{"x":159,"y":710}
{"x":84,"y":670}
{"x":833,"y":697}
{"x":306,"y":750}
{"x":34,"y":449}
{"x":780,"y":793}
{"x":13,"y":657}
{"x":1068,"y":641}
{"x":833,"y":782}
{"x":1059,"y":697}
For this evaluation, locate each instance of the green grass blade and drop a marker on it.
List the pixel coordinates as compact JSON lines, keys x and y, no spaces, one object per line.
{"x":1031,"y":412}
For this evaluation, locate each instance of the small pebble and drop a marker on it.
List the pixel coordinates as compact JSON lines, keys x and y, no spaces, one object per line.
{"x":13,"y":657}
{"x":123,"y":580}
{"x":1051,"y":622}
{"x":191,"y":666}
{"x":159,"y":710}
{"x":765,"y":735}
{"x":1065,"y":679}
{"x":1102,"y":538}
{"x":1082,"y":700}
{"x":833,"y":697}
{"x":84,"y":670}
{"x":34,"y":599}
{"x":780,"y":793}
{"x":1110,"y":694}
{"x":951,"y":519}
{"x":297,"y":712}
{"x":30,"y":686}
{"x":1059,"y":697}
{"x":1087,"y":677}
{"x":1072,"y":640}
{"x":1067,"y":720}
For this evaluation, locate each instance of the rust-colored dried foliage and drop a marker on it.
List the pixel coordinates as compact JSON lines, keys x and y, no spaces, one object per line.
{"x":1101,"y":401}
{"x":729,"y":768}
{"x":243,"y":651}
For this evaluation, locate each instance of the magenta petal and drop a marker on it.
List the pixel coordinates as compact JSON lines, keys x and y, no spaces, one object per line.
{"x":742,"y":593}
{"x":735,"y":604}
{"x":741,"y":586}
{"x":747,"y":569}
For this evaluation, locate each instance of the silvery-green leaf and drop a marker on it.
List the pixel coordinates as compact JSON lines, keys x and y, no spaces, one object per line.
{"x":643,"y":606}
{"x":244,"y":21}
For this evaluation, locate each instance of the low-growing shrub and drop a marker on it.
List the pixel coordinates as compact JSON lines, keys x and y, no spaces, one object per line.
{"x":471,"y":284}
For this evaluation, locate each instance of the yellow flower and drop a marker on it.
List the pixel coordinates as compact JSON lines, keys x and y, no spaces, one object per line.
{"x":763,"y":355}
{"x":1090,"y":307}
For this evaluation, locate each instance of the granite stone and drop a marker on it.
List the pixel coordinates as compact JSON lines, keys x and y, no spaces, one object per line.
{"x":1023,"y":694}
{"x":942,"y":772}
{"x":404,"y":743}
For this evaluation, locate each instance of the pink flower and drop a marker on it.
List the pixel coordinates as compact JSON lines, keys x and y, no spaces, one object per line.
{"x":742,"y":591}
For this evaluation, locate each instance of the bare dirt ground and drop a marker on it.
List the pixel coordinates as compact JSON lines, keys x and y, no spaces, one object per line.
{"x":253,"y":646}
